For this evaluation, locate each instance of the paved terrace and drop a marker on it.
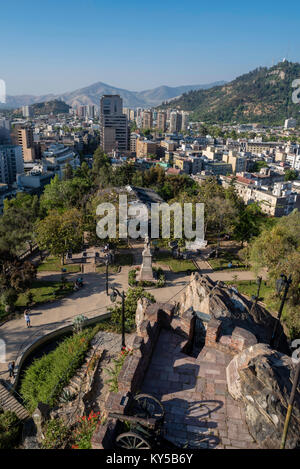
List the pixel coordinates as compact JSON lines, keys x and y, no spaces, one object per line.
{"x":200,"y":413}
{"x":91,"y":301}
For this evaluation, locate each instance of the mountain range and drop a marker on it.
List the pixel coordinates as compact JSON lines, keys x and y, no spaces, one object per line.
{"x":91,"y":95}
{"x":263,"y":95}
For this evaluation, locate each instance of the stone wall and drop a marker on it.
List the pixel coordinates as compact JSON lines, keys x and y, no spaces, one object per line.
{"x":239,"y":322}
{"x":262,"y":379}
{"x":150,"y":319}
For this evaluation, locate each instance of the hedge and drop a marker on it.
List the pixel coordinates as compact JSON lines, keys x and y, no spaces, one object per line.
{"x":44,"y":380}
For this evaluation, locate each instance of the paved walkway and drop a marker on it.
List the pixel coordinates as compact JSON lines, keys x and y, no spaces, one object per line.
{"x":91,"y":301}
{"x":200,"y":413}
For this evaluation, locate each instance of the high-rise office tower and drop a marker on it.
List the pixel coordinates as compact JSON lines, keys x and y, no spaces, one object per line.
{"x":175,"y":122}
{"x":27,"y":111}
{"x":161,"y":120}
{"x":4,"y":131}
{"x":11,"y":163}
{"x":23,"y":136}
{"x":147,"y":119}
{"x":185,"y":121}
{"x":88,"y":111}
{"x":113,"y":124}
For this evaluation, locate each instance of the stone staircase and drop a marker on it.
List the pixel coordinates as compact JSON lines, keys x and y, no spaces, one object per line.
{"x":9,"y":402}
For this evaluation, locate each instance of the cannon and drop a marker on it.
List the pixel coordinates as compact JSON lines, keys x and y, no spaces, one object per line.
{"x":142,"y":424}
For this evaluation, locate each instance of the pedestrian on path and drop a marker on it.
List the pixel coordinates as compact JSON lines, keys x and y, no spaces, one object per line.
{"x":11,"y":369}
{"x":27,"y":317}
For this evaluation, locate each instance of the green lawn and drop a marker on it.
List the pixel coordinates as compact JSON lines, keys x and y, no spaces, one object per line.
{"x":112,"y":269}
{"x":120,"y":260}
{"x":224,"y":257}
{"x":53,"y":264}
{"x":266,"y":295}
{"x":45,"y":291}
{"x":176,"y":265}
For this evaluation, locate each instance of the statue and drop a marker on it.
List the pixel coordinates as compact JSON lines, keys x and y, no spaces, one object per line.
{"x":146,"y":272}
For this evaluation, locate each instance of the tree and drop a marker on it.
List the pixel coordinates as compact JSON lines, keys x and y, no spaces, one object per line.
{"x":68,"y":172}
{"x":100,"y":159}
{"x":277,"y":248}
{"x":60,"y":232}
{"x":290,"y":175}
{"x":248,"y":223}
{"x":60,"y":195}
{"x":258,"y":165}
{"x":17,"y":222}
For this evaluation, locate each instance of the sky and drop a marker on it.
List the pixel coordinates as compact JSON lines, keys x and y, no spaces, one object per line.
{"x":55,"y":46}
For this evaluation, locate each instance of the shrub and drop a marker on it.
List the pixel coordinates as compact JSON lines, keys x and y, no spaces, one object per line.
{"x":132,"y":278}
{"x":132,"y":297}
{"x":10,"y":427}
{"x":9,"y":298}
{"x":56,"y":434}
{"x":117,"y":366}
{"x":44,"y":380}
{"x":160,"y":276}
{"x":85,"y":429}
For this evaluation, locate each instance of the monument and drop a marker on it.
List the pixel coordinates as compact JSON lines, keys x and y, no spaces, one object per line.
{"x":146,"y":272}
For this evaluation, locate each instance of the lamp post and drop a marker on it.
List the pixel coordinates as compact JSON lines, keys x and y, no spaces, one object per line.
{"x":113,"y":297}
{"x":256,"y":297}
{"x":285,"y":282}
{"x":106,"y":274}
{"x":290,"y":406}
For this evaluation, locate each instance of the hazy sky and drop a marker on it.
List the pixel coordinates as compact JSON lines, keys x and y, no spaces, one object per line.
{"x":53,"y":46}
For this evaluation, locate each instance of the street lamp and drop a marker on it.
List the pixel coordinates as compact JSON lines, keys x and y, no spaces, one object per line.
{"x":113,"y":296}
{"x":282,"y":282}
{"x":106,"y":274}
{"x":256,"y":297}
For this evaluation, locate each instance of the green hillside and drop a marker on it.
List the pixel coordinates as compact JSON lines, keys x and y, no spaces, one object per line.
{"x":263,"y":95}
{"x":49,"y":107}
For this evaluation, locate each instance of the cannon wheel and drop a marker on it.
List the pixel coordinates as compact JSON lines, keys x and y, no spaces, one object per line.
{"x":151,"y":405}
{"x":132,"y":440}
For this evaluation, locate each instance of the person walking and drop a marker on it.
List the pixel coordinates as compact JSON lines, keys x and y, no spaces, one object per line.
{"x":11,"y":369}
{"x":27,"y":317}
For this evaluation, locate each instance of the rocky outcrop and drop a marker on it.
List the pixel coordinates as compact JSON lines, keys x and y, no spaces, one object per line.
{"x":262,"y":378}
{"x":219,"y":301}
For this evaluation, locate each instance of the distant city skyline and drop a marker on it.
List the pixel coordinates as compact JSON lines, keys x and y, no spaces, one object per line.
{"x":59,"y":46}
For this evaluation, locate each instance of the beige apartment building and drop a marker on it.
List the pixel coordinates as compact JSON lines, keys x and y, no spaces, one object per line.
{"x":260,"y":147}
{"x":145,"y":148}
{"x":168,"y":145}
{"x":147,"y":119}
{"x":161,"y":121}
{"x":237,"y":161}
{"x":23,"y":136}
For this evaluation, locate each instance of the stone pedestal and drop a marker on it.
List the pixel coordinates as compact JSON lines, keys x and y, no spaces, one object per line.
{"x":146,"y":272}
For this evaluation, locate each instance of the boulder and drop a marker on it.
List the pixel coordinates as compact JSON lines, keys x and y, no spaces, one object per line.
{"x":262,"y":378}
{"x":224,"y":303}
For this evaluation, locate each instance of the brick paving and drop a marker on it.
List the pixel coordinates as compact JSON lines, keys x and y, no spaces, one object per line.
{"x":200,"y":413}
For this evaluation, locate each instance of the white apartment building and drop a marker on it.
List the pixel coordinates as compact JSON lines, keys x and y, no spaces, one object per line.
{"x":57,"y":156}
{"x":290,"y":123}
